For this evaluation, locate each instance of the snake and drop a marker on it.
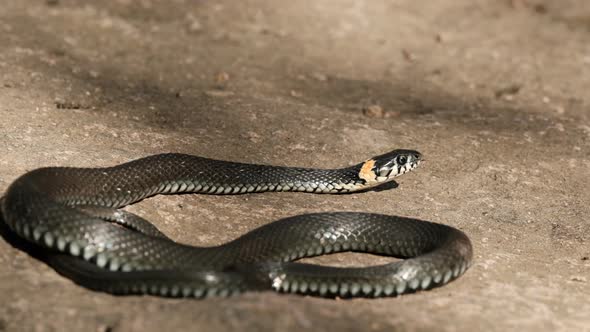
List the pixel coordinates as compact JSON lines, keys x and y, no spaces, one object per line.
{"x":75,"y":217}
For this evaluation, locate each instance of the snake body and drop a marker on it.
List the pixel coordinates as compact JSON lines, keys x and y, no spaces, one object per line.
{"x":74,"y":215}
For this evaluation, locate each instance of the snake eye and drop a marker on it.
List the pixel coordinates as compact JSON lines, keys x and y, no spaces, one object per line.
{"x":402,"y":160}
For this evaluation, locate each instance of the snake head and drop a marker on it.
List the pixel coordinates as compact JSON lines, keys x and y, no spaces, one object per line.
{"x":385,"y":167}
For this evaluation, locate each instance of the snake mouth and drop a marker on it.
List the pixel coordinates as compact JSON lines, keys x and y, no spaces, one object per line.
{"x":407,"y":168}
{"x":402,"y":169}
{"x":397,"y":171}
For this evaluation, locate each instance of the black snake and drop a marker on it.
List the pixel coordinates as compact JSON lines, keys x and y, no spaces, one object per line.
{"x":74,"y":216}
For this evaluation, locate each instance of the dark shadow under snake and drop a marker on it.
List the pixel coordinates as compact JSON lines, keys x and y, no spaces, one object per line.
{"x":72,"y":219}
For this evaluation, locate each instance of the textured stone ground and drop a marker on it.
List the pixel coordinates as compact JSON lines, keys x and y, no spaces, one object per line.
{"x":495,"y":94}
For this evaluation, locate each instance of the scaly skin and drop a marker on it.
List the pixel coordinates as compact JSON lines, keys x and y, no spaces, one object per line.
{"x":73,"y":214}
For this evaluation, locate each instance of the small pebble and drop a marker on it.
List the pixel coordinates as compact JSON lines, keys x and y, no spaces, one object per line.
{"x":320,"y":77}
{"x":540,"y":8}
{"x":373,"y":111}
{"x":195,"y":26}
{"x":218,"y":93}
{"x":222,"y":77}
{"x":408,"y":56}
{"x":509,"y":90}
{"x":579,"y":279}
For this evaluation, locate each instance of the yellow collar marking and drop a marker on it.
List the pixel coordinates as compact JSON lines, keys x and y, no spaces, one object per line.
{"x":366,"y":173}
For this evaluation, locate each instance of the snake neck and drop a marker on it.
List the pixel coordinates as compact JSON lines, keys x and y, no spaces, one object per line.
{"x":221,"y":177}
{"x":178,"y":173}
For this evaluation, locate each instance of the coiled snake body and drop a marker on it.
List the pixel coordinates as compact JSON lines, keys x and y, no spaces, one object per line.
{"x":74,"y":215}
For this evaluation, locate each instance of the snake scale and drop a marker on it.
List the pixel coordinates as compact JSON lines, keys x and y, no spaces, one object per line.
{"x":74,"y":216}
